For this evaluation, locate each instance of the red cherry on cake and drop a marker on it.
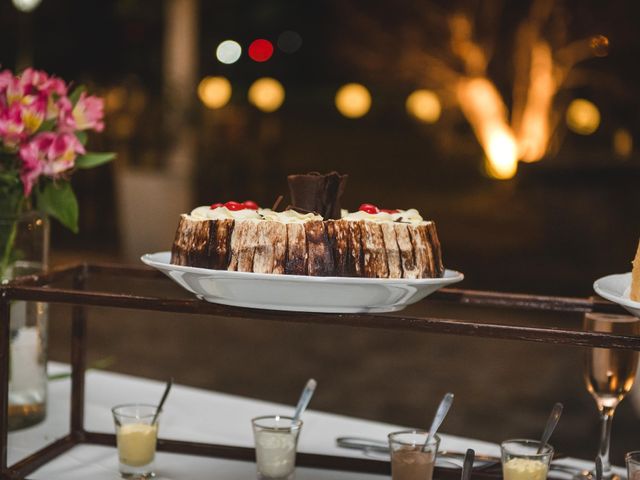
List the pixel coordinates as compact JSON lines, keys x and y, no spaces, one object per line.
{"x":387,"y":210}
{"x":234,"y":206}
{"x":250,"y":204}
{"x":216,"y":205}
{"x":369,"y":208}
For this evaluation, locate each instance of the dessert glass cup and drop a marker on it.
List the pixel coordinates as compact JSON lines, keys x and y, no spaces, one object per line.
{"x":408,"y":460}
{"x":633,"y":465}
{"x":520,"y":460}
{"x":276,"y":440}
{"x":136,"y":438}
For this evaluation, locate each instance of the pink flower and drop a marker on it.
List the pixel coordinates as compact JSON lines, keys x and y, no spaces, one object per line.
{"x":66,"y":122}
{"x":34,"y":108}
{"x":12,"y":128}
{"x":30,"y":169}
{"x":88,"y":113}
{"x":33,"y":81}
{"x":36,"y":79}
{"x":15,"y":91}
{"x":21,"y":119}
{"x":49,"y":154}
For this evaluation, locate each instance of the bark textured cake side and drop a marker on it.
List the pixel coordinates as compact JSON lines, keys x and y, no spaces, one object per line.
{"x":346,"y":248}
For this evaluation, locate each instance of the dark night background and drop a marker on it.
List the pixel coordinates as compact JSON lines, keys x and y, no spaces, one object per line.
{"x":554,"y":228}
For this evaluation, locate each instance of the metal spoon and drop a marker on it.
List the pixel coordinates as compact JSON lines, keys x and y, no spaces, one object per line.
{"x":443,"y":409}
{"x":305,"y":398}
{"x":167,"y":389}
{"x":467,"y":466}
{"x":552,"y":422}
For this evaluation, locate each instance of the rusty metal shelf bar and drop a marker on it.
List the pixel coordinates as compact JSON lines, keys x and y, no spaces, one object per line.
{"x":39,"y":288}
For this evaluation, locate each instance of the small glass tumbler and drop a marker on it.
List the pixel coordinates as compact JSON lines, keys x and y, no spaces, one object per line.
{"x":521,"y":460}
{"x":633,"y":465}
{"x":136,"y":438}
{"x":410,"y":459}
{"x":276,"y":439}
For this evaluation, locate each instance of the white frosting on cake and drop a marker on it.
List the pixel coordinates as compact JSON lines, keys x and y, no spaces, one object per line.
{"x":288,"y":216}
{"x":371,"y":217}
{"x":291,"y":216}
{"x":403,"y":216}
{"x":223,"y":213}
{"x":407,"y":216}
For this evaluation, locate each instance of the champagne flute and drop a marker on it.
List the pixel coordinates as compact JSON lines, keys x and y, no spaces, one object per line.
{"x":609,"y":374}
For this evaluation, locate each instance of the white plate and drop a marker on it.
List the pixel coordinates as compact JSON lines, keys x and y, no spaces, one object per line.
{"x":616,"y":288}
{"x":298,"y":292}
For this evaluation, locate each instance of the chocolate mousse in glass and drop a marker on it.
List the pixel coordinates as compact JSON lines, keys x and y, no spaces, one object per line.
{"x":410,"y":459}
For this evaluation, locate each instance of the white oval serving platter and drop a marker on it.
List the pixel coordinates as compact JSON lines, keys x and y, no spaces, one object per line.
{"x":300,"y":293}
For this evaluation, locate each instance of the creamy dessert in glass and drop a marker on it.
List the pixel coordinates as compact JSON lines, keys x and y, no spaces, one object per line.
{"x":521,"y":460}
{"x":276,"y":441}
{"x":136,"y":437}
{"x":410,"y":458}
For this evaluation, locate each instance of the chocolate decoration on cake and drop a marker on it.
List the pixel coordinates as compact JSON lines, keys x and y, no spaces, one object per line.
{"x":315,"y":192}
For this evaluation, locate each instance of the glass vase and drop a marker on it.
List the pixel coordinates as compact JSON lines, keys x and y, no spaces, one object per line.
{"x":24,"y":250}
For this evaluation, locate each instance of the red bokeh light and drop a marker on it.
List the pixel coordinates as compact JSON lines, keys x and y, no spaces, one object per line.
{"x":260,"y":50}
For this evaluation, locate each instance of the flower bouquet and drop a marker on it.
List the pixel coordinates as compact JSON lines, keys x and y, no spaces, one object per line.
{"x":43,"y":133}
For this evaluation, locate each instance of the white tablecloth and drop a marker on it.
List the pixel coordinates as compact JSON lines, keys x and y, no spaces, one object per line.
{"x":194,"y":415}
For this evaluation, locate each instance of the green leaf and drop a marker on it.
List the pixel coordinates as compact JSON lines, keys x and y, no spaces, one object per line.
{"x":47,"y":125}
{"x":75,"y":95}
{"x":59,"y":201}
{"x":91,"y":160}
{"x":82,"y":137}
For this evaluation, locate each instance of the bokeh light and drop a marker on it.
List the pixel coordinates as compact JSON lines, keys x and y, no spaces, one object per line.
{"x":260,"y":50}
{"x":353,"y":100}
{"x":599,"y":45}
{"x":502,"y":155}
{"x":622,"y":142}
{"x":228,"y":52}
{"x":267,"y":94}
{"x":26,"y":5}
{"x":214,"y":92}
{"x":115,"y":99}
{"x":424,"y":105}
{"x":289,"y":41}
{"x":583,"y":117}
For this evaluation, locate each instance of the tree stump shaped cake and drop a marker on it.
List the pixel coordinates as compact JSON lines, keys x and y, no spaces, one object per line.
{"x":371,"y":242}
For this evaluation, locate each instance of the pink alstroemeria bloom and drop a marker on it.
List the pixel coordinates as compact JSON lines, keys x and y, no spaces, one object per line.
{"x":88,"y":113}
{"x":15,"y":91}
{"x":12,"y":128}
{"x":48,"y":154}
{"x":31,"y":167}
{"x":66,"y":122}
{"x":41,"y":81}
{"x":34,"y":108}
{"x":36,"y":83}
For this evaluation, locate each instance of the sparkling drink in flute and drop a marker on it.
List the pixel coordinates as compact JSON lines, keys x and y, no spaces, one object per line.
{"x":609,"y":374}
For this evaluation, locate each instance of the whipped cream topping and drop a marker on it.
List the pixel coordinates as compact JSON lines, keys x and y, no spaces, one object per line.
{"x":288,"y":216}
{"x":371,"y":217}
{"x":402,"y":216}
{"x":223,"y":213}
{"x":407,"y":216}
